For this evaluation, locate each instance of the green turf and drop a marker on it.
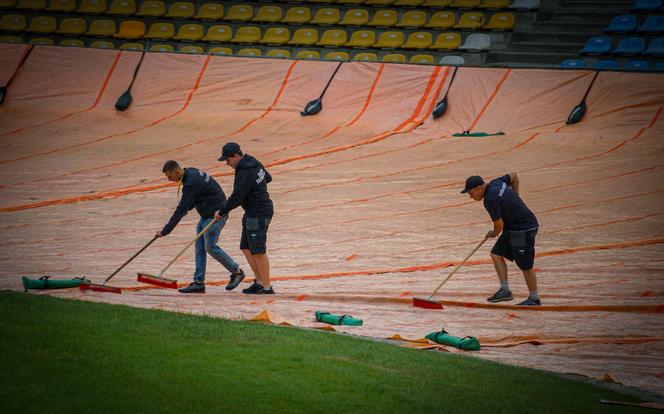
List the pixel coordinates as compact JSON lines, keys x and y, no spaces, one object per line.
{"x":62,"y":356}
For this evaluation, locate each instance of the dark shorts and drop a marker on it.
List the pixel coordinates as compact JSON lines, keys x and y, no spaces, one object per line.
{"x":518,"y":246}
{"x":254,"y":234}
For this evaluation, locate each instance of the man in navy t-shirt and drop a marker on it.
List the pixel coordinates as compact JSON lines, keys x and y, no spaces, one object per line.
{"x":517,"y":227}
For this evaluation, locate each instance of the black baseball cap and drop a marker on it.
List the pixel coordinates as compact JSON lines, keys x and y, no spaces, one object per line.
{"x":472,"y":182}
{"x":229,"y":149}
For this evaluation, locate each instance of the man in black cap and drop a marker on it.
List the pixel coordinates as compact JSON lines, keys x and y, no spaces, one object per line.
{"x":517,"y":227}
{"x":250,"y":192}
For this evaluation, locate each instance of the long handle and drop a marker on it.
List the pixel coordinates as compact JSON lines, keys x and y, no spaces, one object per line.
{"x":206,"y":228}
{"x":331,"y":78}
{"x":457,"y":268}
{"x":451,"y":81}
{"x":138,"y":66}
{"x":130,"y":259}
{"x":589,"y":87}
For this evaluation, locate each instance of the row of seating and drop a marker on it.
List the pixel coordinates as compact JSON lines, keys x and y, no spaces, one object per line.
{"x":603,"y":45}
{"x":632,"y":65}
{"x":647,"y":6}
{"x":629,"y":23}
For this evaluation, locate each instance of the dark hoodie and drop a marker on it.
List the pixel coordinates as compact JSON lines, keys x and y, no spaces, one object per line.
{"x":198,"y":190}
{"x":250,"y":189}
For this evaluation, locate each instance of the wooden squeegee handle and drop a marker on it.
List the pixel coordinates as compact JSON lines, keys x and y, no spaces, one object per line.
{"x":202,"y":232}
{"x":457,"y":268}
{"x":130,"y":259}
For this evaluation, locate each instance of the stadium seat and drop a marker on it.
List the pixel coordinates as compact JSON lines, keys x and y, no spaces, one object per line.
{"x":162,"y":47}
{"x":41,"y":41}
{"x":321,"y":1}
{"x":355,"y":17}
{"x":279,"y":53}
{"x":218,"y":50}
{"x":477,"y":42}
{"x":276,"y":36}
{"x":181,"y":10}
{"x":409,"y":3}
{"x":210,"y":11}
{"x":572,"y":64}
{"x":305,"y":37}
{"x":308,"y":54}
{"x":297,"y":15}
{"x":101,"y":28}
{"x":7,"y":4}
{"x":92,"y":7}
{"x":268,"y":14}
{"x":240,"y":12}
{"x":647,"y":6}
{"x":470,"y":21}
{"x":447,"y":41}
{"x":350,"y":1}
{"x":189,"y":32}
{"x":340,"y":56}
{"x":394,"y":58}
{"x":414,"y":18}
{"x":425,"y":59}
{"x":333,"y":38}
{"x":249,"y":51}
{"x":132,"y":46}
{"x":11,"y":39}
{"x":465,"y":4}
{"x":66,"y":6}
{"x":653,"y":25}
{"x":494,"y":4}
{"x":160,"y":31}
{"x":384,"y":18}
{"x":630,"y":46}
{"x":597,"y":45}
{"x":42,"y":24}
{"x":452,"y":60}
{"x":418,"y":40}
{"x":501,"y":21}
{"x":606,"y":64}
{"x":122,"y":8}
{"x":636,"y":65}
{"x":191,"y":49}
{"x":72,"y":26}
{"x":437,"y":3}
{"x":31,"y":5}
{"x":365,"y":57}
{"x":525,"y":5}
{"x":326,"y":15}
{"x":218,"y":33}
{"x":130,"y":29}
{"x":152,"y":8}
{"x":13,"y":23}
{"x":655,"y":48}
{"x":102,"y":44}
{"x":362,"y":38}
{"x":247,"y":34}
{"x":389,"y":40}
{"x":622,"y":24}
{"x":442,"y":20}
{"x":379,"y":2}
{"x":659,"y":66}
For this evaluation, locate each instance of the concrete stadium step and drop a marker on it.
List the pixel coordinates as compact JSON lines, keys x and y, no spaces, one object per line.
{"x":576,"y":27}
{"x":546,"y":47}
{"x":570,"y":16}
{"x":543,"y":59}
{"x":539,"y":36}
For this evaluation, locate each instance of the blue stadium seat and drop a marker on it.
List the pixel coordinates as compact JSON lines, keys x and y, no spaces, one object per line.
{"x":597,"y":45}
{"x":606,"y":64}
{"x":630,"y":46}
{"x":659,"y":66}
{"x":653,"y":24}
{"x":622,"y":24}
{"x":646,"y":5}
{"x":572,"y":64}
{"x":636,"y":65}
{"x":655,"y":48}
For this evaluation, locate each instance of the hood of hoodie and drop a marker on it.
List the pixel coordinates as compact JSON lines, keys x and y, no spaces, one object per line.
{"x":247,"y":162}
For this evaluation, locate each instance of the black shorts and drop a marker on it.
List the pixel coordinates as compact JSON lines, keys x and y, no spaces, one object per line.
{"x":254,"y":234}
{"x":518,"y":246}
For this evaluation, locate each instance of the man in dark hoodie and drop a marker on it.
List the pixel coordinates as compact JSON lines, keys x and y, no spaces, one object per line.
{"x":203,"y":192}
{"x":250,"y":192}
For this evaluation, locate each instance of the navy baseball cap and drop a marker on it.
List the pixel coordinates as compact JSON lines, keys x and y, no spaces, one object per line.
{"x":472,"y":182}
{"x":229,"y":149}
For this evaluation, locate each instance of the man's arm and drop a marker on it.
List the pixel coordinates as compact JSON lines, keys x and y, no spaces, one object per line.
{"x":514,"y":182}
{"x":241,"y":188}
{"x":185,"y":204}
{"x":497,"y":229}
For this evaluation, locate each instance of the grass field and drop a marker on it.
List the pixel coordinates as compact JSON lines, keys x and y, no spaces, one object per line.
{"x":63,"y":356}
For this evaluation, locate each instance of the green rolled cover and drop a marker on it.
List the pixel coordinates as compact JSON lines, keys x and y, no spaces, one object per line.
{"x":45,"y":282}
{"x":468,"y":343}
{"x":332,"y":319}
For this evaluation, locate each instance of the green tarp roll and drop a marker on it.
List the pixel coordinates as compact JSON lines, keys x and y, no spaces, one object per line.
{"x":476,"y":134}
{"x":45,"y":282}
{"x":327,"y":317}
{"x":469,"y":343}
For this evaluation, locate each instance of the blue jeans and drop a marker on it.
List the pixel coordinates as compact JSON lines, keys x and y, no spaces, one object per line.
{"x":207,"y":244}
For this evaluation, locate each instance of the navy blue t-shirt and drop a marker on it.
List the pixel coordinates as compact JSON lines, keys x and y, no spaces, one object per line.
{"x":502,"y":202}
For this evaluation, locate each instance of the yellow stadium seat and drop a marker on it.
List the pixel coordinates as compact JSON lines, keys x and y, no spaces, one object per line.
{"x":365,"y":57}
{"x":218,"y":50}
{"x":62,"y":5}
{"x":414,"y":18}
{"x":41,"y":41}
{"x":11,"y":39}
{"x":72,"y":26}
{"x":447,"y":41}
{"x":42,"y":24}
{"x":465,"y":4}
{"x":418,"y":40}
{"x":394,"y":58}
{"x":181,"y":10}
{"x":194,"y":50}
{"x":355,"y":17}
{"x":247,"y":34}
{"x":7,"y":4}
{"x":501,"y":21}
{"x":210,"y":11}
{"x":425,"y":59}
{"x":437,"y":3}
{"x":218,"y":33}
{"x":333,"y":38}
{"x":308,"y":54}
{"x":279,"y":53}
{"x":470,"y":20}
{"x":161,"y":31}
{"x":249,"y":52}
{"x":92,"y":7}
{"x":240,"y":12}
{"x":384,"y":18}
{"x":72,"y":43}
{"x":131,"y":46}
{"x":327,"y":15}
{"x":304,"y":37}
{"x":350,"y":1}
{"x":102,"y":44}
{"x":268,"y":14}
{"x":276,"y":36}
{"x":161,"y":47}
{"x":379,"y":2}
{"x":442,"y":20}
{"x":122,"y":7}
{"x":297,"y":15}
{"x":31,"y":4}
{"x":152,"y":8}
{"x":101,"y":28}
{"x":341,"y":56}
{"x":412,"y":3}
{"x":390,"y":40}
{"x":189,"y":32}
{"x":130,"y":29}
{"x":494,"y":4}
{"x":13,"y":23}
{"x":362,"y":38}
{"x":321,"y":1}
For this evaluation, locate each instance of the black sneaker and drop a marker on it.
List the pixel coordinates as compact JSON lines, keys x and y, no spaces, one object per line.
{"x":264,"y":291}
{"x":530,"y":302}
{"x":236,"y":278}
{"x":500,"y":296}
{"x":193,"y":288}
{"x":254,"y":288}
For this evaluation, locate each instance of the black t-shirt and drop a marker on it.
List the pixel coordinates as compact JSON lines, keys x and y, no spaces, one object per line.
{"x":501,"y":201}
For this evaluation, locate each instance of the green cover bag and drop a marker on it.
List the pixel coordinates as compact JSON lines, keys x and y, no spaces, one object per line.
{"x":327,"y":317}
{"x":468,"y":343}
{"x":45,"y":282}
